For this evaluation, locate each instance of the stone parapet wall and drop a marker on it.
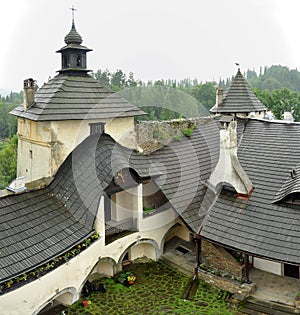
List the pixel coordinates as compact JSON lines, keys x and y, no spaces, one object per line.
{"x":239,"y":290}
{"x":220,"y":259}
{"x":151,"y":135}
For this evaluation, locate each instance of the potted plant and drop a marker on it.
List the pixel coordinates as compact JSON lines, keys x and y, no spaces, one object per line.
{"x":127,"y":278}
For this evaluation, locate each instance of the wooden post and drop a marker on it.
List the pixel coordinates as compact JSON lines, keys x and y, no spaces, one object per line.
{"x":247,"y":267}
{"x":197,"y":239}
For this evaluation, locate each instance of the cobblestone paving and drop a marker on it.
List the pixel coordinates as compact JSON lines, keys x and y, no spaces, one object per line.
{"x":157,"y":290}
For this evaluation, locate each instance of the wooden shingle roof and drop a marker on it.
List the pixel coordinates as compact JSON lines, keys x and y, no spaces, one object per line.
{"x":67,"y":97}
{"x":268,"y":152}
{"x":34,"y":228}
{"x":187,"y":165}
{"x":37,"y":226}
{"x":239,"y":98}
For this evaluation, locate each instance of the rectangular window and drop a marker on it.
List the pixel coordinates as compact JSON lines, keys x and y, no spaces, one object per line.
{"x":96,"y":128}
{"x":30,"y":154}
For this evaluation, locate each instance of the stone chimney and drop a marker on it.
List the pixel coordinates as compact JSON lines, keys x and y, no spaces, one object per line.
{"x":219,"y":96}
{"x":28,"y":93}
{"x":229,"y":169}
{"x":288,"y":117}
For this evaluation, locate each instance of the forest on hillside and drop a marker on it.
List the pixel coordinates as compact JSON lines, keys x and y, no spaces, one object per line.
{"x":277,"y":87}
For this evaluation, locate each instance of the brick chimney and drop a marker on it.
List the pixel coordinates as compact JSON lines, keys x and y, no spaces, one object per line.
{"x":219,"y":96}
{"x":229,"y":169}
{"x":28,"y":93}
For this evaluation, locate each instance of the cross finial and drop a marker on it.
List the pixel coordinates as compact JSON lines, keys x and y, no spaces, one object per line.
{"x":73,"y":9}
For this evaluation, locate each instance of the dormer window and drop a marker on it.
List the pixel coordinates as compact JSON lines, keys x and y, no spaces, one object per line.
{"x":293,"y":198}
{"x":290,"y":190}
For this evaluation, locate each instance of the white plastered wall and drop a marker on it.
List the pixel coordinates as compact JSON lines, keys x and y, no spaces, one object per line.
{"x":43,"y":146}
{"x":267,"y":265}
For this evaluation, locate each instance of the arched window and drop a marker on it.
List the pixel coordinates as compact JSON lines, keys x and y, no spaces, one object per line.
{"x":78,"y":61}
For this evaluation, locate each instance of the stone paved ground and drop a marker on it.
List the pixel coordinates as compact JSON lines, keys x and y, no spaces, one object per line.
{"x":157,"y":290}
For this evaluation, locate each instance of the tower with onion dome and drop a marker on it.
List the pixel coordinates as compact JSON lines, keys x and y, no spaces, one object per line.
{"x":66,"y":110}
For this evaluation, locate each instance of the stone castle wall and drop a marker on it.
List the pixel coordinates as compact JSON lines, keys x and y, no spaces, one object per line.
{"x":151,"y":135}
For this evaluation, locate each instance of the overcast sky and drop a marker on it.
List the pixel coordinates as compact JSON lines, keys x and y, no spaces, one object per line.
{"x":153,"y":39}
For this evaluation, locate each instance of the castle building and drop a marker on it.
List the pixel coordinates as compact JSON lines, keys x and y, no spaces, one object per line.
{"x":65,"y":110}
{"x":233,"y":187}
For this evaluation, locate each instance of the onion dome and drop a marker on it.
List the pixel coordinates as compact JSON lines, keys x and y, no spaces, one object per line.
{"x":73,"y":37}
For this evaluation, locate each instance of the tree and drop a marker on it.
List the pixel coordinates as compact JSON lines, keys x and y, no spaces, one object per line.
{"x":8,"y":123}
{"x":103,"y":77}
{"x":279,"y":101}
{"x":118,"y":80}
{"x":8,"y":162}
{"x":205,"y":94}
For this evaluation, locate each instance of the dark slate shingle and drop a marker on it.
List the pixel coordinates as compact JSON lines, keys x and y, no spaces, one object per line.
{"x":68,"y":97}
{"x":268,"y":152}
{"x":239,"y":98}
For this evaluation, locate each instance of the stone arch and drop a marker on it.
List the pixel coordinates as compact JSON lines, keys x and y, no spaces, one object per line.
{"x":105,"y":266}
{"x":66,"y":297}
{"x":143,"y":247}
{"x":108,"y":263}
{"x":177,"y":230}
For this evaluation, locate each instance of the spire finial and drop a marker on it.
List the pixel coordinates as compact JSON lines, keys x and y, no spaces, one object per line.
{"x":238,"y":65}
{"x":73,"y":14}
{"x":73,"y":37}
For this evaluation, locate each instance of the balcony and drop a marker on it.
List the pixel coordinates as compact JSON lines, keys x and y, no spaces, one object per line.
{"x":117,"y":229}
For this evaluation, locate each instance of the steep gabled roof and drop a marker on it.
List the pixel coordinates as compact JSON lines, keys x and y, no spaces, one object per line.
{"x":239,"y":98}
{"x":187,"y":165}
{"x":268,"y":152}
{"x":67,"y":97}
{"x":37,"y":226}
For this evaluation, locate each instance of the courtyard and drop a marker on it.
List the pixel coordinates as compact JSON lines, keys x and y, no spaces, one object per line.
{"x":157,"y":290}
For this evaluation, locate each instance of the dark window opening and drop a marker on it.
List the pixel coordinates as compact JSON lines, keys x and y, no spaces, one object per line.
{"x":291,"y":271}
{"x":183,"y":249}
{"x":30,"y":154}
{"x":66,"y":61}
{"x":78,"y":61}
{"x":293,"y":198}
{"x":107,"y":208}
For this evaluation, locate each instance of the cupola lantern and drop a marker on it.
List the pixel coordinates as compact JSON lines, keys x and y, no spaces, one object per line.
{"x":73,"y":54}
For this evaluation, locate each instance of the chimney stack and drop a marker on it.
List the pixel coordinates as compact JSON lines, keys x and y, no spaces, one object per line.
{"x":288,"y":117}
{"x":228,"y":169}
{"x":28,"y":93}
{"x":219,"y":96}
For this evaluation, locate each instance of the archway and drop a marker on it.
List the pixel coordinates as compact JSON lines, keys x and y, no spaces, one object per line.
{"x":105,"y":267}
{"x":65,"y":297}
{"x":177,"y":236}
{"x":144,"y":247}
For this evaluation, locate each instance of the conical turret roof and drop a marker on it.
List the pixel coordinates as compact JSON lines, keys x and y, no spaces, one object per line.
{"x":239,"y":98}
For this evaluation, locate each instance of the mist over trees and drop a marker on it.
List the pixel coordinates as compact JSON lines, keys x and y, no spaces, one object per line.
{"x":277,"y":87}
